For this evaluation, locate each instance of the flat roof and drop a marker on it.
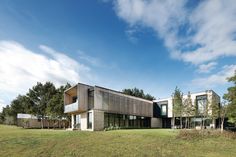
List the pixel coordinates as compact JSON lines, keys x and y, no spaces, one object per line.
{"x":164,"y":99}
{"x":109,"y":90}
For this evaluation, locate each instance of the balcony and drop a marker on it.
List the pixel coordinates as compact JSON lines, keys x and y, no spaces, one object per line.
{"x":71,"y":107}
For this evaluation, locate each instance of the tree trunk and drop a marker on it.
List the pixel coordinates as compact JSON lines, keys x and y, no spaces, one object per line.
{"x":203,"y":123}
{"x":219,"y":125}
{"x":181,"y":122}
{"x":189,"y":122}
{"x":42,"y":123}
{"x":48,"y":123}
{"x":222,"y":125}
{"x":186,"y":122}
{"x":173,"y":121}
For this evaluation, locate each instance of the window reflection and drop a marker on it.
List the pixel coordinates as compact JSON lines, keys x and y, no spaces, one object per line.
{"x":126,"y":121}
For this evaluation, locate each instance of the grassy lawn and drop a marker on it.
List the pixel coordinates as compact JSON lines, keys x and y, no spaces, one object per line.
{"x":16,"y":141}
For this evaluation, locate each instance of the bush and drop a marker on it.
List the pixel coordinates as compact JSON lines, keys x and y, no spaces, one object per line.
{"x":200,"y":134}
{"x":112,"y":128}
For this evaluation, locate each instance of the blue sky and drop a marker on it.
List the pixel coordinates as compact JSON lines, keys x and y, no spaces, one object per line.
{"x":154,"y":45}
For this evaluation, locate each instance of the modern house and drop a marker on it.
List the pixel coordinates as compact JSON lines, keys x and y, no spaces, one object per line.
{"x":201,"y":101}
{"x":95,"y":108}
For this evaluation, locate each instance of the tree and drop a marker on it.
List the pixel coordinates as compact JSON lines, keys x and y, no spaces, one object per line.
{"x":21,"y":104}
{"x":231,"y":98}
{"x":205,"y":113}
{"x":177,"y":100}
{"x":41,"y":100}
{"x":1,"y":118}
{"x":6,"y":115}
{"x":215,"y":109}
{"x":188,"y":109}
{"x":138,"y":93}
{"x":39,"y":96}
{"x":55,"y":108}
{"x":223,"y":113}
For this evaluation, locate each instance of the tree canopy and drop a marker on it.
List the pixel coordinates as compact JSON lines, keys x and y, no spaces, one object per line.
{"x":177,"y":101}
{"x":40,"y":100}
{"x":230,"y":96}
{"x":138,"y":93}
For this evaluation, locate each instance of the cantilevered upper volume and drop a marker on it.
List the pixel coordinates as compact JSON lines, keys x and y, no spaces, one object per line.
{"x":95,"y":108}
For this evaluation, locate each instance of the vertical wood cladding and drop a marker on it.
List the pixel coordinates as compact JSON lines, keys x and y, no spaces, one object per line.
{"x":115,"y":102}
{"x":82,"y":91}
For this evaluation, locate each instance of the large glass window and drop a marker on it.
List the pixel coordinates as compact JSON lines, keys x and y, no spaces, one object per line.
{"x":201,"y":103}
{"x":126,"y":121}
{"x":164,"y":110}
{"x":77,"y":121}
{"x":89,"y":120}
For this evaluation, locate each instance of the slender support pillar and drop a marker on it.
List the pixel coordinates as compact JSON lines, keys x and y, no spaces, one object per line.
{"x":72,"y":121}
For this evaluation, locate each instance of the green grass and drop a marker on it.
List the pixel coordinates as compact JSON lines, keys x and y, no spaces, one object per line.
{"x":20,"y":142}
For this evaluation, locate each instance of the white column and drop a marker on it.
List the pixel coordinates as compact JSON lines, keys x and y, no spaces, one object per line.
{"x":72,"y":121}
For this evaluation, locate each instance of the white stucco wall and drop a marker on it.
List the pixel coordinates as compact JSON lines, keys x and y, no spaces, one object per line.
{"x":83,"y":121}
{"x":209,"y":94}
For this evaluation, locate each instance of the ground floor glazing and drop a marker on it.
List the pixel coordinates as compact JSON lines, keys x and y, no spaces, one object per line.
{"x":126,"y":121}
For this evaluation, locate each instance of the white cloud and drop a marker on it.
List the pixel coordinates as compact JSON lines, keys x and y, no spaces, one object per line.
{"x":91,"y":60}
{"x":163,"y":16}
{"x":20,"y":68}
{"x":198,"y":35}
{"x":206,"y":68}
{"x":215,"y":79}
{"x":215,"y":26}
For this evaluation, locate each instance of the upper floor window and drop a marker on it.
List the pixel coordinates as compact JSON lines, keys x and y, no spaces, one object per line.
{"x":201,"y":103}
{"x":164,"y":110}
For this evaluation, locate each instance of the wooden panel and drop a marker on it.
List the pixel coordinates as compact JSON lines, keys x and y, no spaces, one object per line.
{"x":123,"y":104}
{"x":83,"y":96}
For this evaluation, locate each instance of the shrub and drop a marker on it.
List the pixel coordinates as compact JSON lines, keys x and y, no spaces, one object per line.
{"x":112,"y":128}
{"x":200,"y":134}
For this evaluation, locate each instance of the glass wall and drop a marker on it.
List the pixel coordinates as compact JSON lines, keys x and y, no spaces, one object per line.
{"x":89,"y":120}
{"x":126,"y":121}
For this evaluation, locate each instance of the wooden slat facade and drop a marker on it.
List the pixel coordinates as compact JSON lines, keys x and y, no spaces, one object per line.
{"x":116,"y":102}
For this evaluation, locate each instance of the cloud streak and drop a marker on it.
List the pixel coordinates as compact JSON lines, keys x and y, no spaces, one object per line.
{"x":206,"y":68}
{"x":215,"y":79}
{"x":20,"y":68}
